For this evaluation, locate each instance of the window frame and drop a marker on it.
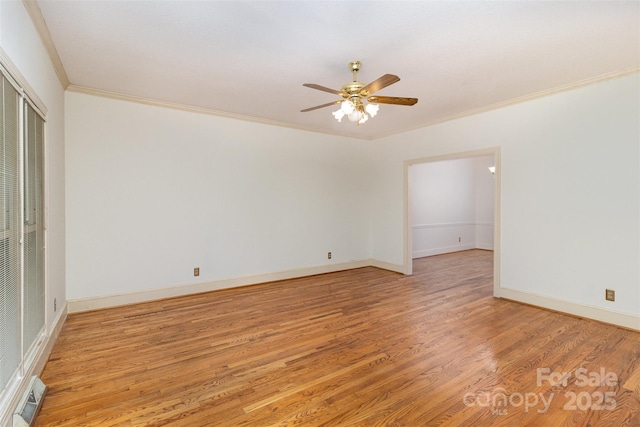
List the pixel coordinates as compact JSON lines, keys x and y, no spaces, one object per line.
{"x":28,"y":352}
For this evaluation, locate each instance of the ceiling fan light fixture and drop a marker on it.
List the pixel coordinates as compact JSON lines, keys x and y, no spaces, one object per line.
{"x":339,"y":114}
{"x":355,"y":116}
{"x":347,"y":106}
{"x":372,"y":109}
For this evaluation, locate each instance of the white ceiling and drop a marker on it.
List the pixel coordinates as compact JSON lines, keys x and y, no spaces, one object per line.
{"x":250,"y":58}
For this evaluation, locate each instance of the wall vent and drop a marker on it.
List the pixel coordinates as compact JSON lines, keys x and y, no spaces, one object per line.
{"x":30,"y":403}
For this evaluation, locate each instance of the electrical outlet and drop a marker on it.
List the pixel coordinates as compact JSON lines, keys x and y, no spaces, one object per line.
{"x":459,"y":239}
{"x":196,"y":271}
{"x":328,"y":255}
{"x":610,"y":295}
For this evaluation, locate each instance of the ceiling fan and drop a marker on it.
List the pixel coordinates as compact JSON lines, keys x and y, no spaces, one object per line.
{"x":354,"y":94}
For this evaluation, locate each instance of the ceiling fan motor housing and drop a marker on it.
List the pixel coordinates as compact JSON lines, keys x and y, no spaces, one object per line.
{"x":353,"y":88}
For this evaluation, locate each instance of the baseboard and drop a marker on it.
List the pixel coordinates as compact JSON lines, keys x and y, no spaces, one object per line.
{"x":443,"y":250}
{"x":619,"y":318}
{"x":47,"y":348}
{"x":484,"y":247}
{"x":96,"y":303}
{"x":397,"y":268}
{"x":36,"y":367}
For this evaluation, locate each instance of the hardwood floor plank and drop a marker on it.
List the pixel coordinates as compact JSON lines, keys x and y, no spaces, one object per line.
{"x":294,"y":390}
{"x":363,"y":347}
{"x":633,"y":382}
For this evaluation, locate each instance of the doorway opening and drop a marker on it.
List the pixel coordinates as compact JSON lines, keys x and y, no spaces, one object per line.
{"x":433,"y":234}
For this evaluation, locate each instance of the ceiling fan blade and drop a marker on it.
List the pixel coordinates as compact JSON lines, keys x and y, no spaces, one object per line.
{"x":392,"y":100}
{"x":328,"y":104}
{"x":322,"y":88}
{"x":381,"y":83}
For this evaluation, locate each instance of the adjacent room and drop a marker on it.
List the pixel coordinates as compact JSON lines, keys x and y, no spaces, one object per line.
{"x":319,"y":213}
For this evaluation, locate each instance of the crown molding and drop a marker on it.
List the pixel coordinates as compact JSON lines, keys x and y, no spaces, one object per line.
{"x":45,"y":36}
{"x":201,"y":110}
{"x":563,"y":88}
{"x":194,"y":109}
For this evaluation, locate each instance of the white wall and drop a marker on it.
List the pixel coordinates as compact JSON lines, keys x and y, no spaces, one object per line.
{"x":154,"y":192}
{"x":451,"y":205}
{"x":570,"y":191}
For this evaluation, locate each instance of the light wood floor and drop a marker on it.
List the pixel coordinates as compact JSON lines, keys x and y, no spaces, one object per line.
{"x":363,"y":347}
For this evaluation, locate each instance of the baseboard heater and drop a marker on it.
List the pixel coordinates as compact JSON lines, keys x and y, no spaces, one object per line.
{"x":30,"y":403}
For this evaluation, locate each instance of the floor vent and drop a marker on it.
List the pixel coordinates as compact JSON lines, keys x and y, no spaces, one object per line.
{"x":30,"y":403}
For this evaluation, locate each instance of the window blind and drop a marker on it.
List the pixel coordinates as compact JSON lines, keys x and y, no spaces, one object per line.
{"x":33,"y":231}
{"x":10,"y":297}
